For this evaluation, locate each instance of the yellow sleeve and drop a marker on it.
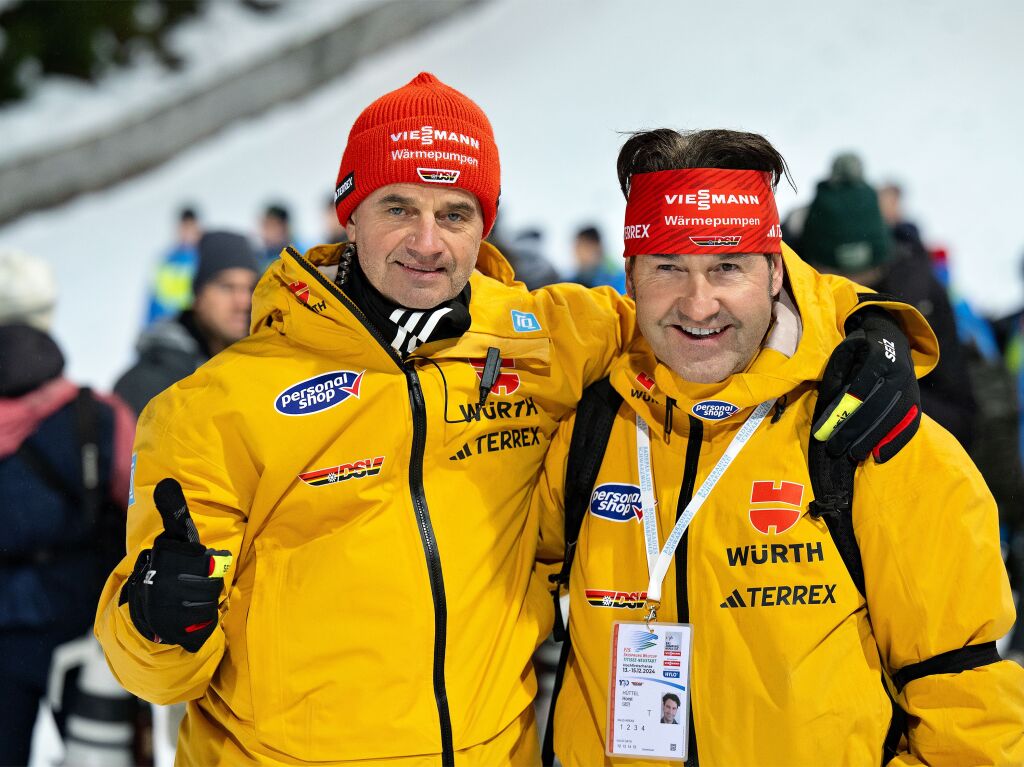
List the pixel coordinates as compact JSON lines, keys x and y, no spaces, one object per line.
{"x":589,"y":328}
{"x":548,"y":501}
{"x":181,"y":437}
{"x":928,"y":533}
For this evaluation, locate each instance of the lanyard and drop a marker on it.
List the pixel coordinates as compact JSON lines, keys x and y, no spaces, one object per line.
{"x":658,"y":562}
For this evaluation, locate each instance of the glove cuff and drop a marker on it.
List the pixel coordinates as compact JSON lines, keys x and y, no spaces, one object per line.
{"x":132,"y":594}
{"x":874,"y":313}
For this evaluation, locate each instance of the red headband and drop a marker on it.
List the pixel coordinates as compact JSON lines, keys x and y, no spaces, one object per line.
{"x":701,"y":210}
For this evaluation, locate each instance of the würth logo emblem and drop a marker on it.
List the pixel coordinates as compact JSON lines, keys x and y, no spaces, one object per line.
{"x":645,"y":380}
{"x":778,"y":506}
{"x":506,"y":383}
{"x":301,"y":291}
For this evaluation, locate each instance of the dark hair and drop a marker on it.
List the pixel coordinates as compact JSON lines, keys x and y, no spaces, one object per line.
{"x":188,"y":213}
{"x":671,"y":696}
{"x":589,"y":233}
{"x":277,"y":211}
{"x":666,"y":149}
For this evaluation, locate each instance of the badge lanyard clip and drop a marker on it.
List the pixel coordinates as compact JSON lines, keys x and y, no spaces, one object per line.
{"x":652,"y":612}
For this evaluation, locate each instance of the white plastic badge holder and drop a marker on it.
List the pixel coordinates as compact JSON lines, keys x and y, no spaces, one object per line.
{"x":649,"y":690}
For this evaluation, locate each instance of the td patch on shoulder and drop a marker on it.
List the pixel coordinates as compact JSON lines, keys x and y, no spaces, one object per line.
{"x":524,"y":322}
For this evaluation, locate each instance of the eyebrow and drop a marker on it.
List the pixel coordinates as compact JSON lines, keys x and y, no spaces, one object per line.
{"x":395,"y":199}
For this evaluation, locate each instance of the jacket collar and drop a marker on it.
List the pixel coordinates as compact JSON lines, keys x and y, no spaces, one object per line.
{"x":297,"y":298}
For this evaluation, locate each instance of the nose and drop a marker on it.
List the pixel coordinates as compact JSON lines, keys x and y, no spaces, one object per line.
{"x":698,"y":300}
{"x":424,"y":241}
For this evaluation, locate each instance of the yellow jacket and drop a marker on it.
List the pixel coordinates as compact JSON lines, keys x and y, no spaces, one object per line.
{"x":376,"y":593}
{"x":788,"y":656}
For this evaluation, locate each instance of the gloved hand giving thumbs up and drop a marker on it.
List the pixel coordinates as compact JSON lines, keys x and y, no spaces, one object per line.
{"x":173,"y":591}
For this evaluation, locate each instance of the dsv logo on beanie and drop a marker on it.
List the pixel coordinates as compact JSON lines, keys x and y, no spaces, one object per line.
{"x":438,"y":175}
{"x":319,"y":393}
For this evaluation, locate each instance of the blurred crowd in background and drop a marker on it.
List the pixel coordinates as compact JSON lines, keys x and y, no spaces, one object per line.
{"x":67,"y":449}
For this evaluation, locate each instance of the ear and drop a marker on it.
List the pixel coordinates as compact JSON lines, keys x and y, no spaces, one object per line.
{"x":630,"y":289}
{"x":778,"y":273}
{"x":350,"y":230}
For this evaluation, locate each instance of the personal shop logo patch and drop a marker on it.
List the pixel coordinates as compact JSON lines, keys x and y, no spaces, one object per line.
{"x":714,"y":410}
{"x":322,"y":392}
{"x":616,"y":501}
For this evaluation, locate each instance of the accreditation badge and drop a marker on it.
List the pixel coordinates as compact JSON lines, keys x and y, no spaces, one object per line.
{"x":649,"y":695}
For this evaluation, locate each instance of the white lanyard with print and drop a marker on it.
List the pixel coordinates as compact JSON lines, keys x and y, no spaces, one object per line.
{"x":658,"y":562}
{"x":649,"y":676}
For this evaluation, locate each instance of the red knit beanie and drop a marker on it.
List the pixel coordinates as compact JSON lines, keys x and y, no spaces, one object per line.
{"x":423,"y":133}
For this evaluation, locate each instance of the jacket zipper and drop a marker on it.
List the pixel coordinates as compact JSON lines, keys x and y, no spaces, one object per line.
{"x":419,"y":502}
{"x":693,"y":444}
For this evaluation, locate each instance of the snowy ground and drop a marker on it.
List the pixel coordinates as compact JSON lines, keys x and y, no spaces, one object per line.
{"x":923,"y":90}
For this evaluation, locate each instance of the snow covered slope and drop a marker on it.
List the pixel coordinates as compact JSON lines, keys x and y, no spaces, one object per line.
{"x":928,"y":93}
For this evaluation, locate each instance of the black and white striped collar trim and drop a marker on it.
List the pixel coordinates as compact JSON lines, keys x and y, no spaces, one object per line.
{"x":415,"y":327}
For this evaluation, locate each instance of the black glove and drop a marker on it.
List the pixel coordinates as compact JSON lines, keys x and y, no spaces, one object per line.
{"x":872,"y":402}
{"x":173,"y":591}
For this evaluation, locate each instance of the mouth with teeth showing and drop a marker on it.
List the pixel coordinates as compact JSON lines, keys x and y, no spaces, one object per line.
{"x":700,"y":334}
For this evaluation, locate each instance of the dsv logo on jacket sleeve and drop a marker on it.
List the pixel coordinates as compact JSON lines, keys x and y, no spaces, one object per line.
{"x":319,"y":393}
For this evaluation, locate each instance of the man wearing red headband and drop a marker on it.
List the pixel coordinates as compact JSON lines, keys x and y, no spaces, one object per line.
{"x":333,"y":515}
{"x":796,"y":632}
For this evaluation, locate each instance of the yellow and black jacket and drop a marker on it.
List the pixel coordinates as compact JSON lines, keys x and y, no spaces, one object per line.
{"x":788,"y":656}
{"x":380,"y":604}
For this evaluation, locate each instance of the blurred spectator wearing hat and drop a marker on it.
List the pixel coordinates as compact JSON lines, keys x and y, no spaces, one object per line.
{"x":65,"y":455}
{"x":171,"y":349}
{"x":844,"y":232}
{"x":172,"y":284}
{"x":592,"y":266}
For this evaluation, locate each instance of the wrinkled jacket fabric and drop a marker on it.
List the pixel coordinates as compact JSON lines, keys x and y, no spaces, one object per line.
{"x":383,"y":554}
{"x":788,"y":656}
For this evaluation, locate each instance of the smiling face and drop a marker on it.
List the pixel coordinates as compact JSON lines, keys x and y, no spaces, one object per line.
{"x":705,"y":316}
{"x":417,"y":244}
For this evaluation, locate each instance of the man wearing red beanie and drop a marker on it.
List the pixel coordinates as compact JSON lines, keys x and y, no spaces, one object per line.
{"x":330,"y":550}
